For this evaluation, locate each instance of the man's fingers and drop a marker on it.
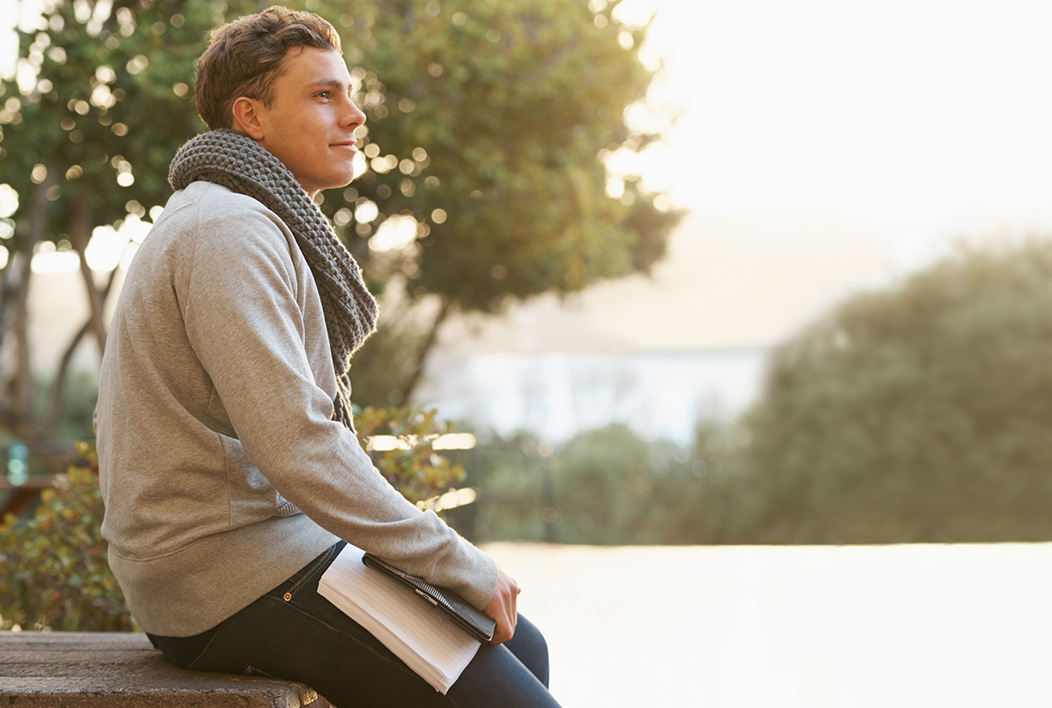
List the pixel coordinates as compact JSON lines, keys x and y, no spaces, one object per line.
{"x":503,"y":608}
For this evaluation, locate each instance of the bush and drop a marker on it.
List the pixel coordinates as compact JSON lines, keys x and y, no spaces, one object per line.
{"x":508,"y":475}
{"x":55,"y":570}
{"x":607,"y":486}
{"x":917,"y":413}
{"x":412,"y":466}
{"x":606,"y":480}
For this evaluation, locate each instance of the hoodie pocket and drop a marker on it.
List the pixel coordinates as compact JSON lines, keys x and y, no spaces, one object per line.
{"x":251,"y":495}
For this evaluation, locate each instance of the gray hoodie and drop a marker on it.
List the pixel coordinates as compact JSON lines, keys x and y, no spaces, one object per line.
{"x":221,"y":469}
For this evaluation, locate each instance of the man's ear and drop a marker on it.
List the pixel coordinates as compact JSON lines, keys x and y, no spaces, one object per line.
{"x":246,"y":117}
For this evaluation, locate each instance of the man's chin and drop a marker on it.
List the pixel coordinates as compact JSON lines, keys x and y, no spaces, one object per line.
{"x":337,"y":181}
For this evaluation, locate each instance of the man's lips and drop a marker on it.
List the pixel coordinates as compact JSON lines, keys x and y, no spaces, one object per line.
{"x":347,"y":149}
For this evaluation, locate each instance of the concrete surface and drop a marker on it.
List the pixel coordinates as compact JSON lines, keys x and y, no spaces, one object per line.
{"x":967,"y":626}
{"x":89,"y":670}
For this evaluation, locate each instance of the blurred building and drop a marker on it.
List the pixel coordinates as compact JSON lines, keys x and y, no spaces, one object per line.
{"x":58,"y":308}
{"x":660,"y":353}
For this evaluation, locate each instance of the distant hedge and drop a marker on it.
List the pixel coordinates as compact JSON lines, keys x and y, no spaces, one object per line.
{"x":922,"y":412}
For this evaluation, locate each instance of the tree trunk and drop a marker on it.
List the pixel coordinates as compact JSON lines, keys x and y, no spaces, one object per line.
{"x":80,"y":234}
{"x":21,"y":421}
{"x":425,"y":348}
{"x":6,"y":293}
{"x":19,"y":417}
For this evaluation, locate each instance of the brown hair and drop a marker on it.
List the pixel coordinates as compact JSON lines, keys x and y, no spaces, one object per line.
{"x":244,"y":57}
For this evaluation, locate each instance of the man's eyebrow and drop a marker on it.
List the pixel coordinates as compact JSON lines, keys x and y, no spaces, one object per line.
{"x":327,"y":83}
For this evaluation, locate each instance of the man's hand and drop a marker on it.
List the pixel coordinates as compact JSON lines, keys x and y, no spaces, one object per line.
{"x":502,"y":608}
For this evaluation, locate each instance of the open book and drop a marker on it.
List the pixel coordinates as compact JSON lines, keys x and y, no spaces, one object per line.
{"x":426,"y":639}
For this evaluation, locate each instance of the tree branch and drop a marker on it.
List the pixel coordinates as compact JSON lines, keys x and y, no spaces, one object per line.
{"x":58,"y":387}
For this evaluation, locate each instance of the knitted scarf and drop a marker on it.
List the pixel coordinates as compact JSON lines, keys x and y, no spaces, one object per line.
{"x":237,"y":162}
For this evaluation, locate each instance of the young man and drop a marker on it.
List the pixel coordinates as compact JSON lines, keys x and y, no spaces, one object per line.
{"x":228,"y":464}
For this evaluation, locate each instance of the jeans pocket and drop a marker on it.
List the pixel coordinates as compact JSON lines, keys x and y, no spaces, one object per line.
{"x":313,"y":570}
{"x":213,"y":636}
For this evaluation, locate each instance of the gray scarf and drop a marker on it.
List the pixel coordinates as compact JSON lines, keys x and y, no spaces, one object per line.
{"x":237,"y":162}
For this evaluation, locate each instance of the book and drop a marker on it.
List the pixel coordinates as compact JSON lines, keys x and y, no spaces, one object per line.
{"x":475,"y":623}
{"x":427,"y":639}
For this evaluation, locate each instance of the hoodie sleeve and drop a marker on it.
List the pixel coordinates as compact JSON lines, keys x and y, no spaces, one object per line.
{"x":245,"y":321}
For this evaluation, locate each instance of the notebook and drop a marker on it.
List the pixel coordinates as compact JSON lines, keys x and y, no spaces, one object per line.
{"x":428,"y":640}
{"x":475,"y":623}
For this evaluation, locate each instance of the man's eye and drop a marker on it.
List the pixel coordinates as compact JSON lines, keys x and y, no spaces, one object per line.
{"x":323,"y":94}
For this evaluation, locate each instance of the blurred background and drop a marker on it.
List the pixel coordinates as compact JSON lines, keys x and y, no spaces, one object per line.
{"x":704,"y":274}
{"x":677,"y":272}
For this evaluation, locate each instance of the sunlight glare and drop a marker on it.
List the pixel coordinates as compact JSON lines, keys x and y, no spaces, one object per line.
{"x":892,"y":111}
{"x":104,"y":250}
{"x":47,"y":259}
{"x":395,"y":233}
{"x":8,"y":201}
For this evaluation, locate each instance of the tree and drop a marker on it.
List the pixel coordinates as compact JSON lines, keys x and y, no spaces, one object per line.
{"x":917,"y":413}
{"x":85,"y":145}
{"x":488,"y":125}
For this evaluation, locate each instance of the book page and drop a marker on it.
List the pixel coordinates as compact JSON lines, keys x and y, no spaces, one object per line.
{"x":419,"y":634}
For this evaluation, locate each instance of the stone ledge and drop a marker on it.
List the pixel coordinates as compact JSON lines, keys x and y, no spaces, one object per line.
{"x":95,"y":670}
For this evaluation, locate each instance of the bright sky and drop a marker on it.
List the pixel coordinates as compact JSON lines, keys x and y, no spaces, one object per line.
{"x":918,"y":120}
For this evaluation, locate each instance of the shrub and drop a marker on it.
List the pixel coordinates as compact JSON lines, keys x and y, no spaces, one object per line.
{"x":917,"y":413}
{"x":608,"y":486}
{"x":614,"y":487}
{"x":412,"y":465}
{"x":55,"y":570}
{"x":513,"y":504}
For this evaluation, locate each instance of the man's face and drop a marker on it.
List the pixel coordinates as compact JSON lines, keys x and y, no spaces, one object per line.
{"x":309,"y":125}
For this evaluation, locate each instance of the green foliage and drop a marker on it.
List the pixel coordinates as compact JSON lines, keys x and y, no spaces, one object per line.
{"x":613,"y":487}
{"x":55,"y":570}
{"x":488,"y":126}
{"x":917,"y":413}
{"x":513,"y":503}
{"x":608,"y":486}
{"x":76,"y":421}
{"x":602,"y":476}
{"x":92,"y":137}
{"x":498,"y":114}
{"x":412,"y":465}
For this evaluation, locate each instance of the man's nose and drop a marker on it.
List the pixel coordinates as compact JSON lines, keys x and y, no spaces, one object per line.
{"x":353,"y":116}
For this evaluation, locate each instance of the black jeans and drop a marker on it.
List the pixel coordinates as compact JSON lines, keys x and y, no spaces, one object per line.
{"x":306,"y":638}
